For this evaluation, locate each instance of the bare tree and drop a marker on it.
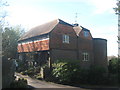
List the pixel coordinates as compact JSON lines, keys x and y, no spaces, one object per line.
{"x":3,"y":13}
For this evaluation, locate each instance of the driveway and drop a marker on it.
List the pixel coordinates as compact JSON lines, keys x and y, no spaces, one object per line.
{"x":34,"y":83}
{"x":42,"y":84}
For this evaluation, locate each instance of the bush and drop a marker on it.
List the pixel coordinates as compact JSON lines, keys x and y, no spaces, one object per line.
{"x":71,"y":73}
{"x":114,"y":71}
{"x":37,"y":69}
{"x":38,"y":76}
{"x":31,"y":71}
{"x":8,"y":70}
{"x":97,"y":75}
{"x":21,"y":83}
{"x":112,"y":79}
{"x":66,"y":72}
{"x":83,"y":76}
{"x":22,"y":66}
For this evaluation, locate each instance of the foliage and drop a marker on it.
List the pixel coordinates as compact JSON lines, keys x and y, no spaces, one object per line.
{"x":22,"y":66}
{"x":10,"y":37}
{"x":71,"y":73}
{"x":114,"y":70}
{"x":32,"y":71}
{"x":113,"y":65}
{"x":66,"y":72}
{"x":117,"y":9}
{"x":38,"y":76}
{"x":3,"y":12}
{"x":97,"y":75}
{"x":8,"y":69}
{"x":21,"y":83}
{"x":112,"y":79}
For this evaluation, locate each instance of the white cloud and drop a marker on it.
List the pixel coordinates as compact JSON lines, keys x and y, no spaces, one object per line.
{"x":28,"y":16}
{"x":109,"y":33}
{"x":102,"y":6}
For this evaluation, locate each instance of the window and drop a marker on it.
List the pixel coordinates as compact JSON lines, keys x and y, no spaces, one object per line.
{"x":86,"y":34}
{"x":85,"y":56}
{"x":65,"y":38}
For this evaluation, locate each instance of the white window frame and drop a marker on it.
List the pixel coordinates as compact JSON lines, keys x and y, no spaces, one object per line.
{"x":85,"y":56}
{"x":66,"y":39}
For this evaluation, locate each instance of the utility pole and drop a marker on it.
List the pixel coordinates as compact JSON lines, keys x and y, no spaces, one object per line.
{"x":117,"y":10}
{"x":118,"y":4}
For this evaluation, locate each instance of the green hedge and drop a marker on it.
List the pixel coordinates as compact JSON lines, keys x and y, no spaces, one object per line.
{"x":66,"y":72}
{"x":71,"y":73}
{"x":20,"y":83}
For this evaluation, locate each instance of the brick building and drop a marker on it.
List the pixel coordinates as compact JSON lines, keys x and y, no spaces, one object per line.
{"x":60,"y":40}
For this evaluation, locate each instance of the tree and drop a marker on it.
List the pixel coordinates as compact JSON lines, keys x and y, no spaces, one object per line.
{"x":113,"y":67}
{"x":3,"y":13}
{"x":10,"y":37}
{"x":117,"y":9}
{"x":8,"y":47}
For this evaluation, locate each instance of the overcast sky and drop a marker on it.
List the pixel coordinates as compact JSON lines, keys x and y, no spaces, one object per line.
{"x":96,"y":15}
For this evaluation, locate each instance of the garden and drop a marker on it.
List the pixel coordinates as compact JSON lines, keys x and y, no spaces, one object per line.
{"x":70,"y":73}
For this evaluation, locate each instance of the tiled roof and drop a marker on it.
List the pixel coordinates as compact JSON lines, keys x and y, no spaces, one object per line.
{"x":39,"y":30}
{"x":42,"y":29}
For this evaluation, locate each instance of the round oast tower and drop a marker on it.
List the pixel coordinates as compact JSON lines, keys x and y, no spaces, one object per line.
{"x":100,"y":52}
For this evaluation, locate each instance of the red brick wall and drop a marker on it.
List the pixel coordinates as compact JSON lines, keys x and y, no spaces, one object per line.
{"x":56,"y":38}
{"x":81,"y":35}
{"x":58,"y":54}
{"x":85,"y":44}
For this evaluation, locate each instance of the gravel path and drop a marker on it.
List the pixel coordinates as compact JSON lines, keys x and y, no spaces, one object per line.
{"x":34,"y":83}
{"x":41,"y":84}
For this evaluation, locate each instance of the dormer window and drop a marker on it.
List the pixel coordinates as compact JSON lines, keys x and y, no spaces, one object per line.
{"x":86,"y":34}
{"x":66,"y":39}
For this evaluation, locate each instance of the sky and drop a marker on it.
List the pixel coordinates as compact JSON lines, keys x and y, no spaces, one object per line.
{"x":96,"y":15}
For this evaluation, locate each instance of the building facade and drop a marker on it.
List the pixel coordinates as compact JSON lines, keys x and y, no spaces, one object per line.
{"x":57,"y":40}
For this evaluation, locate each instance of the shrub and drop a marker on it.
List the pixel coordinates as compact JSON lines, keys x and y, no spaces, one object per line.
{"x":97,"y":75}
{"x":22,"y":66}
{"x":71,"y":73}
{"x":112,"y":79}
{"x":22,"y":80}
{"x":30,"y":71}
{"x":21,"y":83}
{"x":114,"y":71}
{"x":83,"y":76}
{"x":113,"y":66}
{"x":66,"y":72}
{"x":38,"y":76}
{"x":37,"y":69}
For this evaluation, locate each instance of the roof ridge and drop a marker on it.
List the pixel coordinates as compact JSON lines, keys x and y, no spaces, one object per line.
{"x":65,"y":23}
